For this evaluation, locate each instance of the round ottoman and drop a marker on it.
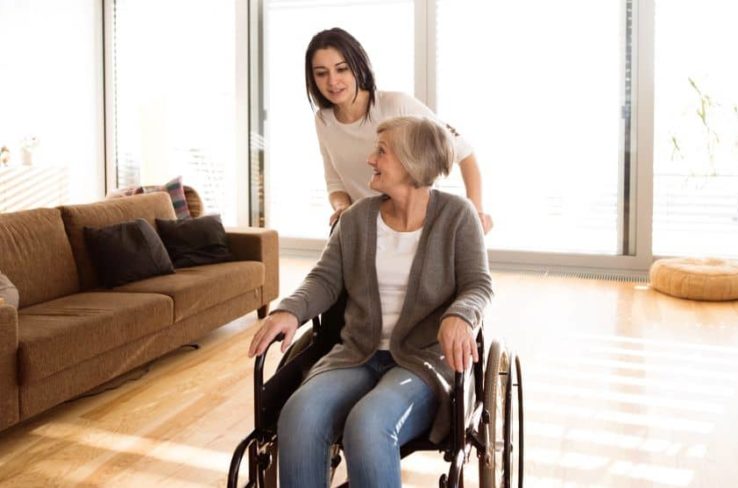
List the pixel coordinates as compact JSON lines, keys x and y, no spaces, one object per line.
{"x":696,"y":278}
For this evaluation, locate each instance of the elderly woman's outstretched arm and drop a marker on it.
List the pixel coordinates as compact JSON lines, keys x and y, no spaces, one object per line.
{"x":316,"y":294}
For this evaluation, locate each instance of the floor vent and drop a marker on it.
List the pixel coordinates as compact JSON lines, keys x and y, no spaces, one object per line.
{"x":585,"y":275}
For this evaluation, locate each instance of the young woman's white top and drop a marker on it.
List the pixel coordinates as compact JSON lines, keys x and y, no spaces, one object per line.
{"x":346,"y":147}
{"x":395,"y":253}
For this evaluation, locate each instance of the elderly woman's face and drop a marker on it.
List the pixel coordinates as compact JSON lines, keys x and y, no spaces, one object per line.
{"x":388,"y":170}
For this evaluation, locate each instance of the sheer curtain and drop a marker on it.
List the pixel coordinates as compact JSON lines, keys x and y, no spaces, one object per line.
{"x":696,"y":129}
{"x":174,"y":83}
{"x":537,"y":87}
{"x":50,"y":103}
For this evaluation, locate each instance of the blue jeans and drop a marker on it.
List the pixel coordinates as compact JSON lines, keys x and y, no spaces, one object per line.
{"x":377,"y":406}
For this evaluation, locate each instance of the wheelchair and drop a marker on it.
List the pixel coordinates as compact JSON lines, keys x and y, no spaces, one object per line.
{"x":491,"y":424}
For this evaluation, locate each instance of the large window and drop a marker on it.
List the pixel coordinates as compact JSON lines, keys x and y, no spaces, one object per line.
{"x":297,"y":200}
{"x":696,"y":128}
{"x":543,"y":110}
{"x":605,"y":135}
{"x":175,"y":98}
{"x":573,"y":172}
{"x":542,"y":107}
{"x":50,"y":103}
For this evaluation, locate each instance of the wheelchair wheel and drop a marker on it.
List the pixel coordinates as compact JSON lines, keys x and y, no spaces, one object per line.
{"x":516,"y":420}
{"x":492,"y":424}
{"x":513,"y":425}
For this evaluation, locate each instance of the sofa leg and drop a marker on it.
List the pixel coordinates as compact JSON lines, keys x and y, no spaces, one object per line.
{"x":263,"y":311}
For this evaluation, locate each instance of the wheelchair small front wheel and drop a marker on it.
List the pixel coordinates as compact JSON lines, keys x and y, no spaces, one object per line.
{"x":491,"y":425}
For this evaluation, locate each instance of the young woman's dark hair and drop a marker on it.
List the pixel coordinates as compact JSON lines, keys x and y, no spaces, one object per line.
{"x":355,"y":57}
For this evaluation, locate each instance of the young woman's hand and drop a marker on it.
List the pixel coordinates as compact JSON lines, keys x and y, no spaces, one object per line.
{"x":340,"y":201}
{"x":275,"y":324}
{"x":337,"y":213}
{"x":486,"y":220}
{"x":457,"y":341}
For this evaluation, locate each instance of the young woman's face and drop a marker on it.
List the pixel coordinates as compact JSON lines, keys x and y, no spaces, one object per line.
{"x":333,"y":76}
{"x":388,"y":170}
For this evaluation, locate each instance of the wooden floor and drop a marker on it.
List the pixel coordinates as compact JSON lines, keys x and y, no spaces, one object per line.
{"x":624,"y":388}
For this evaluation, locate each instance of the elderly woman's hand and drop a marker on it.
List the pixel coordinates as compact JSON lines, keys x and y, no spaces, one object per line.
{"x":273,"y":325}
{"x":457,"y":341}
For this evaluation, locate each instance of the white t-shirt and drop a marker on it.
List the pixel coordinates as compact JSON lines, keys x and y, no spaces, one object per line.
{"x":395,"y":253}
{"x":346,"y":147}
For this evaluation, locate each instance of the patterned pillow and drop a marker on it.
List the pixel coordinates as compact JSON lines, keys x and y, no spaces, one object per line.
{"x":124,"y":192}
{"x":176,"y":193}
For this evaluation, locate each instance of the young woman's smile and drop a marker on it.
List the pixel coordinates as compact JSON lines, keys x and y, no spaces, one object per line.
{"x":333,"y":77}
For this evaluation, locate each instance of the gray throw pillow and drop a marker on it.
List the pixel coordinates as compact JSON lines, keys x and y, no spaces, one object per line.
{"x":8,"y":291}
{"x":195,"y":242}
{"x":126,"y":252}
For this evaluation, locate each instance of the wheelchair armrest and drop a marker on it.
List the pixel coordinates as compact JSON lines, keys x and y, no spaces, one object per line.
{"x":458,"y":408}
{"x":259,"y":372}
{"x":259,"y":366}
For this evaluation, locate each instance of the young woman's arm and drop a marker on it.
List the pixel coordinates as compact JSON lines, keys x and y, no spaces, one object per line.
{"x":405,"y":104}
{"x":473,"y":182}
{"x":340,"y":201}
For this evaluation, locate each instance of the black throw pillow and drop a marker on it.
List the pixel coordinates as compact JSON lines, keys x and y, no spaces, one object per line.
{"x":126,"y":252}
{"x":195,"y":242}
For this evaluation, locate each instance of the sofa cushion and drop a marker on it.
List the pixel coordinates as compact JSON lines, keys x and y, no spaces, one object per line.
{"x":196,"y":289}
{"x":8,"y":366}
{"x":126,"y":252}
{"x":63,"y":332}
{"x":84,"y":375}
{"x":192,"y":198}
{"x":195,"y":242}
{"x":76,"y":217}
{"x":36,"y":256}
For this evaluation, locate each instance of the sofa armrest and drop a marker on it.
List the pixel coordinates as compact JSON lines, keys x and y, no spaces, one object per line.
{"x":9,"y":410}
{"x":258,"y":244}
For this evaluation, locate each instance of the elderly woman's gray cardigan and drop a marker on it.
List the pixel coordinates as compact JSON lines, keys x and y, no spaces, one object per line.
{"x":449,"y":276}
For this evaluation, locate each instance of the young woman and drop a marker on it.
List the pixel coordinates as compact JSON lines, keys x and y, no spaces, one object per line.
{"x":414,"y":266}
{"x":340,"y":82}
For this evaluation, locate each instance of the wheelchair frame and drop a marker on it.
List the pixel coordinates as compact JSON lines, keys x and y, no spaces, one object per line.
{"x":490,"y":428}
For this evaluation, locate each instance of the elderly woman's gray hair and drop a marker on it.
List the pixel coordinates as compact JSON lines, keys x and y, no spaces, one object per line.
{"x":424,"y":147}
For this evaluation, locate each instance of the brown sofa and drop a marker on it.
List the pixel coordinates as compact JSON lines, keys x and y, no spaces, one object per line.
{"x":70,"y":335}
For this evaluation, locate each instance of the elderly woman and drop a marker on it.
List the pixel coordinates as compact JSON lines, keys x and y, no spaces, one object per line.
{"x":414,"y":266}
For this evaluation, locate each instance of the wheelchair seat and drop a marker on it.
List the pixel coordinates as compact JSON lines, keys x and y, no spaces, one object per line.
{"x":491,"y":422}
